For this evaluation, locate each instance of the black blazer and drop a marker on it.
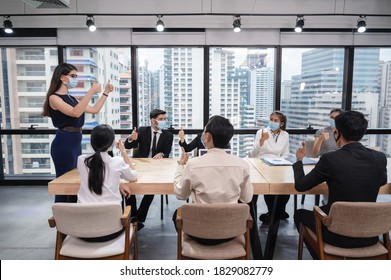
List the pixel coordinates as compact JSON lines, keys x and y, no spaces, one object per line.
{"x":352,"y":173}
{"x":143,"y":142}
{"x":195,"y":143}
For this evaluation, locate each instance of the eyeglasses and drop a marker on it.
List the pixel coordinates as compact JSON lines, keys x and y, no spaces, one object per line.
{"x":72,"y":75}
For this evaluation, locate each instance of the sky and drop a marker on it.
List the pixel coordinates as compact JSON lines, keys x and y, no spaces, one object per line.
{"x":291,"y":58}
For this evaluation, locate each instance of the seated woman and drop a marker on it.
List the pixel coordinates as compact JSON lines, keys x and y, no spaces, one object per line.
{"x":100,"y":173}
{"x":272,"y":141}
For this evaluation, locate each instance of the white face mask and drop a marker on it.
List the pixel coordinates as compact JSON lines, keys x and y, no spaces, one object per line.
{"x":72,"y":83}
{"x":161,"y":124}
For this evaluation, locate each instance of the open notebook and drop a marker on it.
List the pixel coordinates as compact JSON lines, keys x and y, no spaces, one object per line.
{"x":288,"y":161}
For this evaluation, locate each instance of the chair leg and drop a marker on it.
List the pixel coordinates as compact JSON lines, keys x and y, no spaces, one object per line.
{"x":317,"y":199}
{"x":301,"y":240}
{"x":161,"y":207}
{"x":166,"y":199}
{"x":302,"y":199}
{"x":295,"y":202}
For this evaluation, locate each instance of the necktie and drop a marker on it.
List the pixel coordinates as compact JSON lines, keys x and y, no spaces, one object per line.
{"x":154,"y":144}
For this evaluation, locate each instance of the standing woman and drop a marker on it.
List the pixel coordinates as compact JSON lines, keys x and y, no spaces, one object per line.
{"x":67,"y":115}
{"x":272,"y":141}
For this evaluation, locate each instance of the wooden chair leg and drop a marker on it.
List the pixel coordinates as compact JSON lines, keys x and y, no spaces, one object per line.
{"x":301,"y":241}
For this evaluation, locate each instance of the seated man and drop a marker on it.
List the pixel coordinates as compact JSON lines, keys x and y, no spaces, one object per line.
{"x":352,"y":173}
{"x":216,"y":177}
{"x":152,"y":142}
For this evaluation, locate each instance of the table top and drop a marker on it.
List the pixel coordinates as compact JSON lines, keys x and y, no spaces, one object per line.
{"x":157,"y":177}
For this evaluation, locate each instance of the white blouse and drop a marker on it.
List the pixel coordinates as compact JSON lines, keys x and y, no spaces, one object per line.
{"x":273,"y":147}
{"x":115,"y":169}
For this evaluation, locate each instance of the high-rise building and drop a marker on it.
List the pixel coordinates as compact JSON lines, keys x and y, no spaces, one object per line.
{"x":385,"y":107}
{"x":318,"y":89}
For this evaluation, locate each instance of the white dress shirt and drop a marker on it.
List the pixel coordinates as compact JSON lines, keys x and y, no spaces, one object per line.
{"x":115,"y":169}
{"x":215,"y":177}
{"x":275,"y":146}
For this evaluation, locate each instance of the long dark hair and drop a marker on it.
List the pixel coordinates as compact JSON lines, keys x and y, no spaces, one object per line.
{"x":55,"y":84}
{"x":102,"y":137}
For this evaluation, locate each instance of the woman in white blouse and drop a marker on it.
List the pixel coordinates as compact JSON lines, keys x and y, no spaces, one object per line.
{"x":272,"y":141}
{"x":100,"y":173}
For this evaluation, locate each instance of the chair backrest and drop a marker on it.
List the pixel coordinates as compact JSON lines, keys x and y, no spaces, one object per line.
{"x":309,"y":144}
{"x":214,"y":221}
{"x":97,"y":219}
{"x":360,"y":219}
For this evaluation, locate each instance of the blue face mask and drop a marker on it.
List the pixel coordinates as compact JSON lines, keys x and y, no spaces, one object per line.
{"x":273,"y":125}
{"x":161,"y":124}
{"x":332,"y":123}
{"x":72,"y":83}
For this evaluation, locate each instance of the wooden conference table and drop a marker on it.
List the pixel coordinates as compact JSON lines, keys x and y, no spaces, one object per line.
{"x":156,"y":177}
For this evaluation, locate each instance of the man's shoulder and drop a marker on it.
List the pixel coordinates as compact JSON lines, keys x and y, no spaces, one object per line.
{"x":167,"y":133}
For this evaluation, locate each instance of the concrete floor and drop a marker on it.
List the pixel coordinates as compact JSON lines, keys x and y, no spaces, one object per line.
{"x":26,"y":235}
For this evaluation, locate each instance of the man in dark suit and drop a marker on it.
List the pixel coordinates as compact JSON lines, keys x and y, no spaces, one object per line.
{"x":352,"y":173}
{"x":152,"y":142}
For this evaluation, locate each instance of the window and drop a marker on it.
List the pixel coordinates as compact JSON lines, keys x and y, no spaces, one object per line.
{"x":372,"y":93}
{"x":241,"y":88}
{"x":311,"y":86}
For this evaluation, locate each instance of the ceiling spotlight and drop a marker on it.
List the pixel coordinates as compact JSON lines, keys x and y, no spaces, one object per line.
{"x":91,"y":23}
{"x":159,"y":24}
{"x":299,"y":24}
{"x":237,"y":24}
{"x":7,"y":25}
{"x":362,"y":24}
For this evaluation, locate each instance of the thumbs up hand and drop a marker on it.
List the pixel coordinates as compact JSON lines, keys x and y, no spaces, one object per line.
{"x":181,"y":135}
{"x":134,"y":134}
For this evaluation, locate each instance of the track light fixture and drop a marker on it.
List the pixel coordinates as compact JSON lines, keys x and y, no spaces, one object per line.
{"x":299,"y":24}
{"x":362,"y":24}
{"x":91,"y":23}
{"x":159,"y":23}
{"x":237,"y":24}
{"x":7,"y":25}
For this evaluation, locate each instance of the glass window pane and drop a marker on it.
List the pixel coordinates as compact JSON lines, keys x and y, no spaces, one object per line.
{"x":102,"y":65}
{"x":241,"y":89}
{"x":311,"y":86}
{"x":372,"y":92}
{"x":171,"y":79}
{"x":25,"y":76}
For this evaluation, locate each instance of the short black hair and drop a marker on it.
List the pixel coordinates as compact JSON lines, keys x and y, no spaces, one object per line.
{"x":221,"y":130}
{"x":352,"y":125}
{"x":336,"y":110}
{"x":156,"y":112}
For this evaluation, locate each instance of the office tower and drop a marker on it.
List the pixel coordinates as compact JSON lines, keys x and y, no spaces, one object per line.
{"x":26,"y":73}
{"x":229,"y":96}
{"x":318,"y":89}
{"x":385,"y":106}
{"x":183,"y":90}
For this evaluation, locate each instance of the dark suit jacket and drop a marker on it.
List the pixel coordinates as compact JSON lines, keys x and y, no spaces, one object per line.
{"x":195,"y":143}
{"x":143,"y":142}
{"x":352,"y":173}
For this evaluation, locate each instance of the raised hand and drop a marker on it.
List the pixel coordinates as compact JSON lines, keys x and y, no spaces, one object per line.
{"x":324,"y":135}
{"x":300,"y":153}
{"x":264,"y":136}
{"x":184,"y":157}
{"x":96,"y":87}
{"x":181,"y":135}
{"x":108,"y":88}
{"x":134,"y":134}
